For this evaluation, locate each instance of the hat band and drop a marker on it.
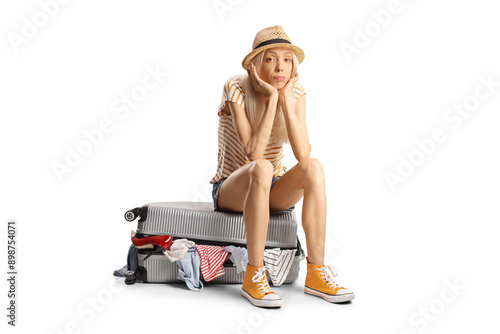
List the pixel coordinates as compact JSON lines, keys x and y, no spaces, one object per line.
{"x":273,"y":41}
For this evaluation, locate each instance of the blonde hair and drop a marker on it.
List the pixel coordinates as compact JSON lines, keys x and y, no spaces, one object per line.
{"x":255,"y":102}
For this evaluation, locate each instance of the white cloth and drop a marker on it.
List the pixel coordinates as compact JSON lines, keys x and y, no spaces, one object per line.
{"x":239,"y":257}
{"x":178,"y":249}
{"x":278,"y":263}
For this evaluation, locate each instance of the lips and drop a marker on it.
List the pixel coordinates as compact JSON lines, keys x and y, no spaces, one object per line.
{"x":279,"y":78}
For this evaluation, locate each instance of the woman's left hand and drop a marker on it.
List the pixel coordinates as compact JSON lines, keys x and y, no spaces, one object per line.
{"x":284,"y":93}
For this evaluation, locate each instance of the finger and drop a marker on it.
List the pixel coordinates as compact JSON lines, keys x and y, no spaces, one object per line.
{"x":256,"y":80}
{"x":250,"y":75}
{"x":254,"y":72}
{"x":293,"y":80}
{"x":252,"y":69}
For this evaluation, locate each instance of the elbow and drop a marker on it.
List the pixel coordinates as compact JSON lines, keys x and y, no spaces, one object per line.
{"x":304,"y":155}
{"x":253,"y":156}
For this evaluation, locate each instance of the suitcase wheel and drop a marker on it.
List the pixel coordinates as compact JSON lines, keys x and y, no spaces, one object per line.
{"x":129,"y":277}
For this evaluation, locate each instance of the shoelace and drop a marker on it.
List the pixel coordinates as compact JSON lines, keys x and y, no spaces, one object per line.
{"x":260,"y":276}
{"x":327,"y":273}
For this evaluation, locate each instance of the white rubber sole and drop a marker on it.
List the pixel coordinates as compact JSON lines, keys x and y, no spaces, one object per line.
{"x":330,"y":298}
{"x":262,"y":302}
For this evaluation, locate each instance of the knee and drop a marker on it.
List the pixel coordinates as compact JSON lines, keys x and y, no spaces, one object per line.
{"x":261,"y":171}
{"x":313,"y":170}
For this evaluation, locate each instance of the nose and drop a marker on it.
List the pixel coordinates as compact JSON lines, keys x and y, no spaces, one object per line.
{"x":279,"y":66}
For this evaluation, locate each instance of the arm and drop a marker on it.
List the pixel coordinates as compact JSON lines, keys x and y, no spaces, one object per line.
{"x":254,"y":143}
{"x":295,"y":122}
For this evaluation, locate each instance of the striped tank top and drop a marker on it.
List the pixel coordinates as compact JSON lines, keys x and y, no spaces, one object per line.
{"x":231,"y":153}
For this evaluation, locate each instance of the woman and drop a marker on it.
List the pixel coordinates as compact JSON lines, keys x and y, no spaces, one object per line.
{"x":259,"y":113}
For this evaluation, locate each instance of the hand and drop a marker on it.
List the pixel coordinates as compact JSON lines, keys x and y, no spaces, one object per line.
{"x":258,"y":84}
{"x":284,"y":97}
{"x":285,"y":91}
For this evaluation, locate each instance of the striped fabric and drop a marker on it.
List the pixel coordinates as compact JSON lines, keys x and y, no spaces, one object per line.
{"x":212,"y":260}
{"x":231,"y":152}
{"x":278,"y":263}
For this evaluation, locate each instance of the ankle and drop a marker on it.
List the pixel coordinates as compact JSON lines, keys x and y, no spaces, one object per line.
{"x":259,"y":265}
{"x":315,"y":262}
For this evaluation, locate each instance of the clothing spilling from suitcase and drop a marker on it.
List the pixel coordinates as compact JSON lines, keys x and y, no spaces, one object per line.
{"x":190,"y":242}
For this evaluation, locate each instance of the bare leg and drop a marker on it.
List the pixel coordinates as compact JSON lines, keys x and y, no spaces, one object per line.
{"x":305,"y":179}
{"x":247,"y":190}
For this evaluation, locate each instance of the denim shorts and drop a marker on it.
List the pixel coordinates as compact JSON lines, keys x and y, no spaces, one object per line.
{"x":217,"y":185}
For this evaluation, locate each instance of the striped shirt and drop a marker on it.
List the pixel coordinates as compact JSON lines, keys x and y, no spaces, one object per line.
{"x":278,"y":263}
{"x":231,"y":153}
{"x":212,"y":260}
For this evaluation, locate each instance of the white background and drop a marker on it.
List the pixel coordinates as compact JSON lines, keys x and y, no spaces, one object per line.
{"x":395,"y":249}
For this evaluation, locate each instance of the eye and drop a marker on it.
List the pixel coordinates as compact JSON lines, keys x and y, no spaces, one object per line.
{"x":269,"y":59}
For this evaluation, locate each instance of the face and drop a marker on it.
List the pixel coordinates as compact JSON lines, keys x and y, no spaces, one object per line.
{"x":277,"y":66}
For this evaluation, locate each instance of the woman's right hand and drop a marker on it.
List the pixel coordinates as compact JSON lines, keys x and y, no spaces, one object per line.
{"x":258,"y":84}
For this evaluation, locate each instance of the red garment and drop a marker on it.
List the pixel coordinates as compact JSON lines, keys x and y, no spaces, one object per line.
{"x":212,"y":260}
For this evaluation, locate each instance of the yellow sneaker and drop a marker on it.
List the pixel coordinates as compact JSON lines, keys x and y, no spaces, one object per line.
{"x":319,"y":282}
{"x":257,"y":290}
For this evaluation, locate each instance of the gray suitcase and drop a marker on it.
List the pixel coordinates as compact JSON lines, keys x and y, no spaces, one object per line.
{"x":197,"y":221}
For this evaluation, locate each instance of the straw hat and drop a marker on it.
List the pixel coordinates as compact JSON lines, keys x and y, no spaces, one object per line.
{"x":271,"y":37}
